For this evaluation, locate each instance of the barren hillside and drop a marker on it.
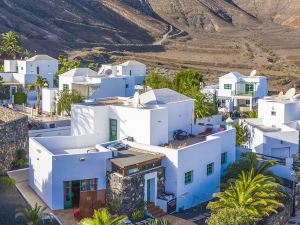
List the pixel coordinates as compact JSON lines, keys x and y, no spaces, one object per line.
{"x":212,"y":36}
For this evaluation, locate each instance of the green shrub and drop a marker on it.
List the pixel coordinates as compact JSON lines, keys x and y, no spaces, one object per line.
{"x":137,"y":215}
{"x":20,"y":97}
{"x":7,"y":181}
{"x":30,"y":87}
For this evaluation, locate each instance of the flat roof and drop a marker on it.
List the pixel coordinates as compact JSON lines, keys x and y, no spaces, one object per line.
{"x":134,"y":156}
{"x":258,"y":124}
{"x":71,"y":151}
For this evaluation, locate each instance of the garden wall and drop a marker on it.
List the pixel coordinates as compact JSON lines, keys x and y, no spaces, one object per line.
{"x":13,"y":136}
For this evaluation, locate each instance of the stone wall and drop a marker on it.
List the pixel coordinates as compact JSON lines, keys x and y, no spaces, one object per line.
{"x":128,"y":191}
{"x":13,"y":136}
{"x":281,"y":217}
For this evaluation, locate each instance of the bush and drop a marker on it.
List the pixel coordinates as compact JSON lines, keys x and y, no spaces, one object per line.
{"x":30,"y":87}
{"x":137,"y":215}
{"x":20,"y":97}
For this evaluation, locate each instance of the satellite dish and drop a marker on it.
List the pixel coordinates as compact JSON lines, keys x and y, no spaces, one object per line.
{"x":136,"y":100}
{"x":253,"y":73}
{"x":290,"y":93}
{"x":280,"y":95}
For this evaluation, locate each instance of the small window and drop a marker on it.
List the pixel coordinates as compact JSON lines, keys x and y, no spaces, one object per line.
{"x":224,"y":158}
{"x":247,"y":102}
{"x":210,"y":169}
{"x":65,"y":87}
{"x":227,"y":86}
{"x":273,"y":113}
{"x":21,"y":67}
{"x":188,"y":177}
{"x":133,"y":170}
{"x":127,"y":85}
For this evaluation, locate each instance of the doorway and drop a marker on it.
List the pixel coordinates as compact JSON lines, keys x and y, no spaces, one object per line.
{"x":151,"y":190}
{"x":72,"y":194}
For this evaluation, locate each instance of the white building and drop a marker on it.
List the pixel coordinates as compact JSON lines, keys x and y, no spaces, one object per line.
{"x":26,"y":71}
{"x":18,"y":74}
{"x":93,"y":85}
{"x":186,"y":172}
{"x":275,"y":132}
{"x":130,"y":68}
{"x":238,"y":92}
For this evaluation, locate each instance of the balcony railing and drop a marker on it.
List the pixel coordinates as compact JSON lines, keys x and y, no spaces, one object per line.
{"x":245,"y":93}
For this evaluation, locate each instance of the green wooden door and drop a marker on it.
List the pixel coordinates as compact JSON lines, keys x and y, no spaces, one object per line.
{"x":150,"y":190}
{"x":113,"y":129}
{"x":68,"y":194}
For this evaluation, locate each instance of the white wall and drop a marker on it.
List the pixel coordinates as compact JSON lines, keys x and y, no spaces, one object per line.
{"x":49,"y":100}
{"x":40,"y":171}
{"x":228,"y":144}
{"x":285,"y":112}
{"x":203,"y":186}
{"x":134,"y":70}
{"x":69,"y":167}
{"x":10,"y":66}
{"x":58,"y":131}
{"x":181,"y":116}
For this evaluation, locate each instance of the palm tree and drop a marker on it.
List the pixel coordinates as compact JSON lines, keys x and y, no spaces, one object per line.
{"x":102,"y":217}
{"x":39,"y":83}
{"x":11,"y":45}
{"x":242,"y":134}
{"x":255,"y":194}
{"x":34,"y":215}
{"x":249,"y":161}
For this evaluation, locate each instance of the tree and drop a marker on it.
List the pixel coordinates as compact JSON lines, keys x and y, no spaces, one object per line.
{"x":228,"y":216}
{"x":39,"y":84}
{"x":7,"y":181}
{"x":1,"y":69}
{"x":156,"y":81}
{"x":65,"y":65}
{"x":257,"y":195}
{"x":252,"y":114}
{"x":33,"y":215}
{"x":11,"y":45}
{"x":249,"y":161}
{"x":65,"y":100}
{"x":102,"y":217}
{"x":20,"y":97}
{"x":186,"y":82}
{"x":242,"y":133}
{"x":186,"y":79}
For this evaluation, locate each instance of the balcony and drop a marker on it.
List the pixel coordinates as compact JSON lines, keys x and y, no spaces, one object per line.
{"x":243,"y":93}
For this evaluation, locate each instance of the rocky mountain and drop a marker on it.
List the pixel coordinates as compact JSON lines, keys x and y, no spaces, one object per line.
{"x":46,"y":25}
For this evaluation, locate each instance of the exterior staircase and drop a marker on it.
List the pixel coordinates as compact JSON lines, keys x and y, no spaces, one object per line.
{"x":155,"y":211}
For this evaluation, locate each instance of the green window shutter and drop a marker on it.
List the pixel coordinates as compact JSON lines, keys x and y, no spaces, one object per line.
{"x":210,"y":169}
{"x":227,"y":86}
{"x":188,"y":177}
{"x":224,"y":158}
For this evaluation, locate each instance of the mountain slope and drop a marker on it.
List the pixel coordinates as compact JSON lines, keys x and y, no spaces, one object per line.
{"x":58,"y":25}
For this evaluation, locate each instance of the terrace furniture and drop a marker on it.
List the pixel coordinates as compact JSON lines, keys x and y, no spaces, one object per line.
{"x":207,"y":132}
{"x":180,"y":135}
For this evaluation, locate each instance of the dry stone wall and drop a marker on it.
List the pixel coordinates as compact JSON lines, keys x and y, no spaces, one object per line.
{"x":13,"y":136}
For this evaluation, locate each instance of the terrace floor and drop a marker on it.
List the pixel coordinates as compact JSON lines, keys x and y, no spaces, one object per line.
{"x":177,"y":144}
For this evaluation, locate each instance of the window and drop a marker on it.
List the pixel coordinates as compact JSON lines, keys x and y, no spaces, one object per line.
{"x":273,"y":113}
{"x":38,"y":70}
{"x":127,"y":85}
{"x":65,"y":87}
{"x":188,"y":177}
{"x":224,"y":158}
{"x":227,"y":86}
{"x":247,"y":102}
{"x":249,"y":88}
{"x":210,"y":169}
